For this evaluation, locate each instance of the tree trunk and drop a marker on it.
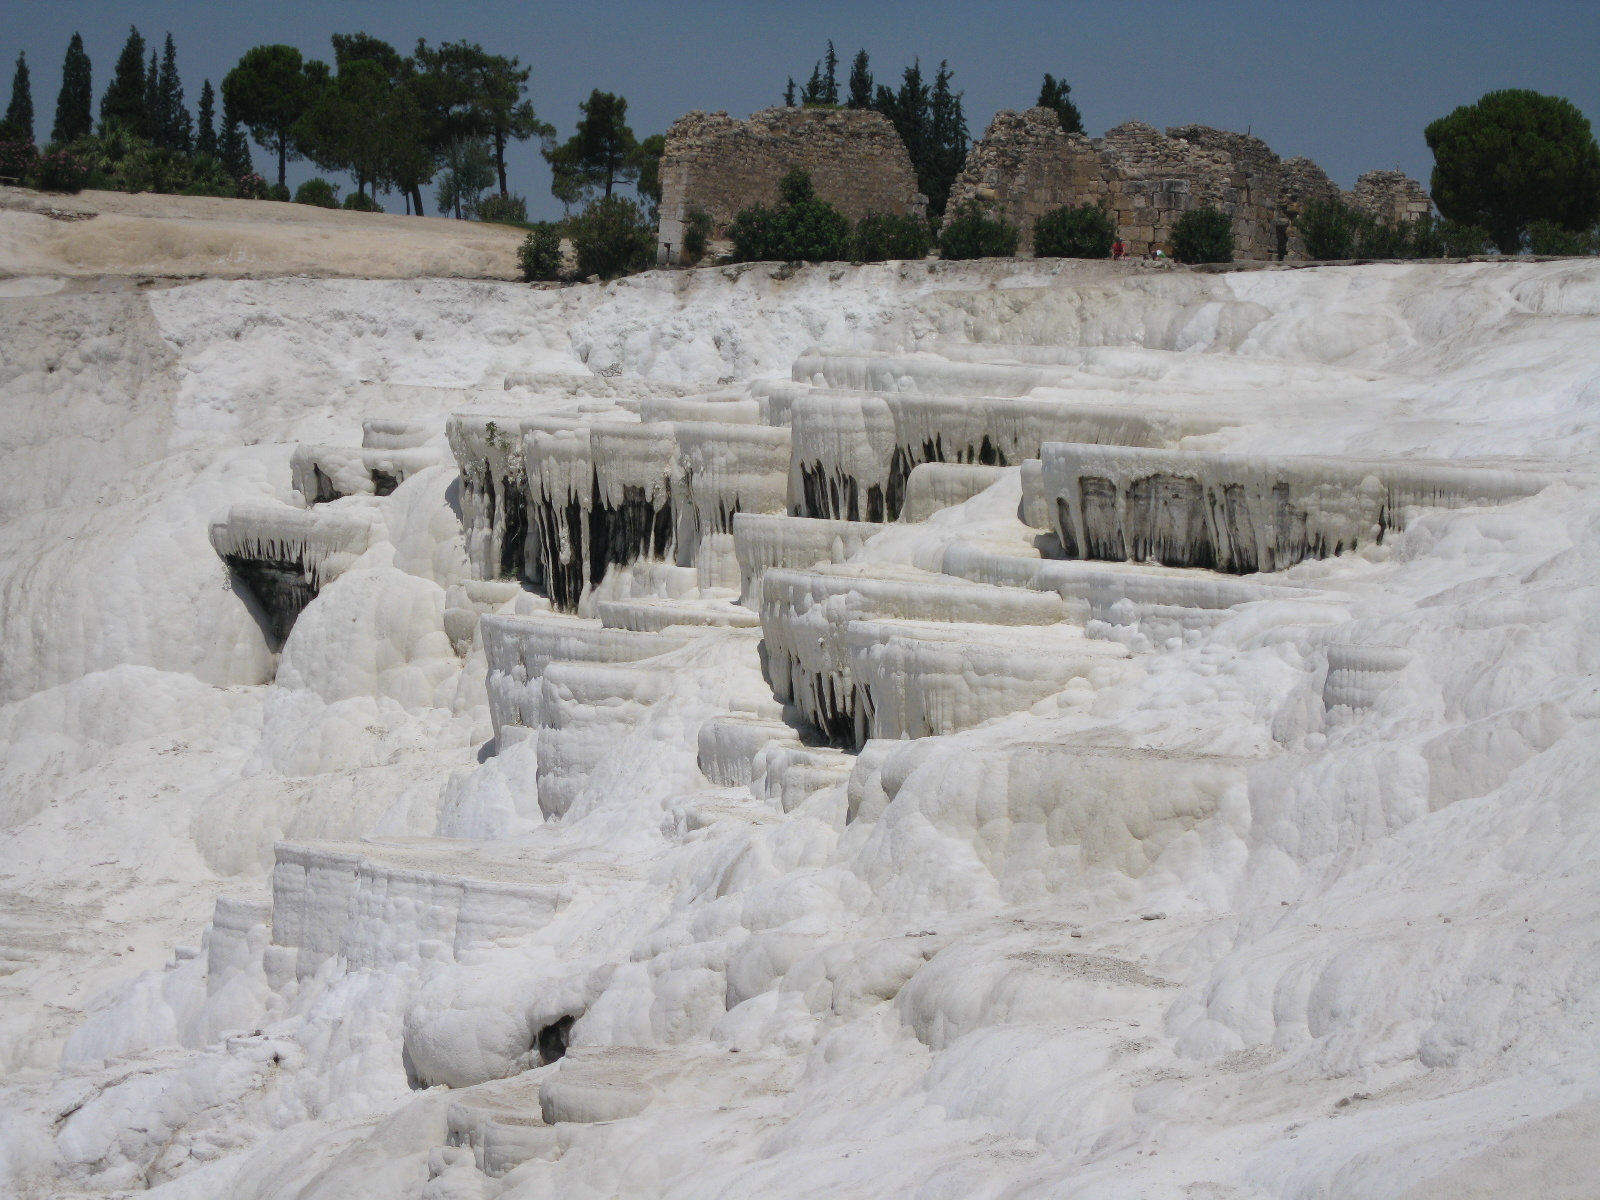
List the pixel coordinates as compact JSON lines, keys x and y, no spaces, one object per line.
{"x":416,"y":200}
{"x":283,"y":159}
{"x":500,"y":160}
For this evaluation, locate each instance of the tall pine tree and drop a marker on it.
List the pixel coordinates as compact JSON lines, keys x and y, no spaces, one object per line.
{"x":205,"y":138}
{"x":932,"y":126}
{"x":860,"y":82}
{"x":152,"y":100}
{"x":233,"y":147}
{"x":20,"y":111}
{"x":171,"y":125}
{"x":124,"y":99}
{"x":1057,"y":94}
{"x":73,"y":116}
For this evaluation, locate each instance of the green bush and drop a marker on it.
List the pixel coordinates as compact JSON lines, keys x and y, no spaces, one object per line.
{"x":970,"y":234}
{"x":361,"y":202}
{"x":60,"y":172}
{"x":507,"y":209}
{"x":801,"y":229}
{"x":1084,"y":232}
{"x":1383,"y":239}
{"x":1329,"y":229}
{"x":276,"y":191}
{"x":18,"y":154}
{"x":1546,"y":237}
{"x":611,"y":237}
{"x":318,"y":192}
{"x":696,"y":236}
{"x":208,"y":177}
{"x":884,"y":236}
{"x":1203,"y":235}
{"x":540,"y":253}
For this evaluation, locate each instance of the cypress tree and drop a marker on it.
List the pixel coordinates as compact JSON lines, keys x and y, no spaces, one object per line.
{"x":860,"y":82}
{"x":788,"y":94}
{"x":830,"y":80}
{"x":73,"y":116}
{"x":124,"y":99}
{"x":152,"y":101}
{"x":233,"y":148}
{"x":205,"y":138}
{"x":20,"y":110}
{"x":171,"y":124}
{"x":1057,"y":94}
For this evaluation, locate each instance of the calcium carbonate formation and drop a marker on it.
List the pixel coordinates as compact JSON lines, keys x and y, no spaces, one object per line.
{"x":1143,"y":756}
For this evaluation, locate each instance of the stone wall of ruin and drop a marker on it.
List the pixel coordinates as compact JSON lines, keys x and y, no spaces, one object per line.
{"x":721,"y":165}
{"x":1025,"y":166}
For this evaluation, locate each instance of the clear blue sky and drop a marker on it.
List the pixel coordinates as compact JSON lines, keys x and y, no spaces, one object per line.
{"x":1351,"y":85}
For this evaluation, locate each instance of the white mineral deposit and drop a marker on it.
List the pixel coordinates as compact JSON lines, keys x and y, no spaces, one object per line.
{"x":1016,"y":728}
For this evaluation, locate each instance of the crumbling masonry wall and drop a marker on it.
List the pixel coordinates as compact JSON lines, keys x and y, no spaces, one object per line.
{"x":1026,"y":165}
{"x":720,"y":165}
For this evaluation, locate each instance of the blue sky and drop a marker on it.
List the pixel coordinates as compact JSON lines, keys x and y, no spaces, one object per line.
{"x":1351,"y":85}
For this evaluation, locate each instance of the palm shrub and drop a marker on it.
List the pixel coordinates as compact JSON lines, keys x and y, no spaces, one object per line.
{"x":971,"y":234}
{"x":1203,"y":235}
{"x":611,"y":237}
{"x":880,"y":237}
{"x":318,"y":192}
{"x":1083,"y":232}
{"x":539,"y":256}
{"x":503,"y":209}
{"x":208,"y":177}
{"x":696,"y":236}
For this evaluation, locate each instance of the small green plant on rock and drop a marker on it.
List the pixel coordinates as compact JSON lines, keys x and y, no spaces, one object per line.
{"x":1203,"y":235}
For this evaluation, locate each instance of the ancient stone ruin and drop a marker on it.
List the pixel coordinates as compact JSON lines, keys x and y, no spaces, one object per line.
{"x":719,"y":165}
{"x":1025,"y":165}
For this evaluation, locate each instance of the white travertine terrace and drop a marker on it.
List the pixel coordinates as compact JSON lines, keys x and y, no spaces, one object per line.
{"x":324,"y":473}
{"x":1247,"y":513}
{"x":1253,"y":859}
{"x":724,"y":470}
{"x":285,"y":556}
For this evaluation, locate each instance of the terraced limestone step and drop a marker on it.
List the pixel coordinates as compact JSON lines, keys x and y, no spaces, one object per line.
{"x":520,"y":649}
{"x":806,"y":616}
{"x":1245,"y":513}
{"x":284,"y":556}
{"x":763,"y":542}
{"x":853,"y":452}
{"x":325,"y":473}
{"x":375,"y":903}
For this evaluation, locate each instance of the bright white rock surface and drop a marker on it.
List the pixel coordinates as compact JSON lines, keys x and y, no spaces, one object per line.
{"x":1287,"y":891}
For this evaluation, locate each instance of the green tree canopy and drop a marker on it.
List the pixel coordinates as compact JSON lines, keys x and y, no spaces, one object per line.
{"x":233,"y":147}
{"x":1057,"y":94}
{"x":647,"y":182}
{"x":601,"y":154}
{"x":73,"y":117}
{"x":269,"y":91}
{"x":1513,"y":158}
{"x":480,"y":95}
{"x":348,"y":126}
{"x":124,"y":98}
{"x":20,"y":111}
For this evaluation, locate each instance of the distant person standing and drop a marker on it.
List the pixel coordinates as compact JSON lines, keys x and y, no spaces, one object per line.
{"x":1118,"y":250}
